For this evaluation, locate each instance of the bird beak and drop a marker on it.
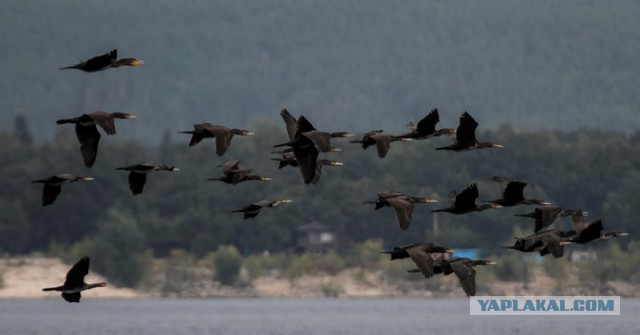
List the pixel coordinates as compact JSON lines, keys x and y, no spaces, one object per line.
{"x":498,"y":146}
{"x":564,"y":243}
{"x":337,"y":163}
{"x":449,"y":251}
{"x":429,"y":201}
{"x":249,"y":133}
{"x":265,"y":179}
{"x":175,"y":169}
{"x":131,"y":116}
{"x":87,"y":178}
{"x":492,"y":263}
{"x":405,"y":139}
{"x":286,"y":201}
{"x":335,"y":150}
{"x":137,"y":62}
{"x":496,"y":206}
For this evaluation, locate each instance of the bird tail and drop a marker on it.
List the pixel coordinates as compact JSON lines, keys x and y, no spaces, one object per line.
{"x":237,"y":211}
{"x":63,"y":121}
{"x":186,"y":132}
{"x":68,"y":67}
{"x":282,"y":144}
{"x":57,"y":288}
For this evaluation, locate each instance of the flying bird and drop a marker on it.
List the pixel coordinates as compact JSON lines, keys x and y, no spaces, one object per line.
{"x":87,"y":133}
{"x":464,"y":270}
{"x":512,"y":194}
{"x":465,"y":138}
{"x":232,"y":174}
{"x":421,"y":254}
{"x":465,"y":202}
{"x":223,"y":135}
{"x":138,"y":174}
{"x":426,"y":128}
{"x":74,"y":283}
{"x":380,"y":140}
{"x":545,"y":216}
{"x":254,"y":209}
{"x":544,"y":242}
{"x":403,"y":205}
{"x":106,"y":61}
{"x":53,"y":186}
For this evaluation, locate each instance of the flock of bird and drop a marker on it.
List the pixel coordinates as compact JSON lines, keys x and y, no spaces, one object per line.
{"x":303,"y":148}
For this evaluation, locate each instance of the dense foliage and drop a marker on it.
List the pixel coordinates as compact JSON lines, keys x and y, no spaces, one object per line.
{"x":592,"y":170}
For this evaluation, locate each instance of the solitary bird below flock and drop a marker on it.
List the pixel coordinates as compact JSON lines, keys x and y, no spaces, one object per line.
{"x":87,"y":133}
{"x":138,"y":174}
{"x":53,"y":186}
{"x":103,"y":62}
{"x":254,"y":209}
{"x":223,"y":135}
{"x":74,"y":283}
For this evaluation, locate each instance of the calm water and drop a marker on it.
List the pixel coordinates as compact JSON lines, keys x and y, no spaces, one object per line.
{"x":291,"y":316}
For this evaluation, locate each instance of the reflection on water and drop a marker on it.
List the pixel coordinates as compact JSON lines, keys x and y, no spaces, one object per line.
{"x":291,"y":316}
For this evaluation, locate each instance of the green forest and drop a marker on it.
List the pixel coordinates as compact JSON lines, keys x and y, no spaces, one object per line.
{"x":586,"y":169}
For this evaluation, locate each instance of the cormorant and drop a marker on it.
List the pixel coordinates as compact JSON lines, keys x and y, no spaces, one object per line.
{"x":74,"y":283}
{"x":426,"y":128}
{"x":306,"y":143}
{"x":401,"y":203}
{"x":585,"y":232}
{"x":52,"y":186}
{"x":466,"y":136}
{"x":463,"y":268}
{"x":465,"y":202}
{"x":104,"y":62}
{"x":420,"y":253}
{"x":233,"y":175}
{"x":545,"y":216}
{"x":254,"y":209}
{"x":138,"y":174}
{"x":87,"y":133}
{"x":223,"y":135}
{"x":380,"y":140}
{"x":512,"y":194}
{"x":544,"y":242}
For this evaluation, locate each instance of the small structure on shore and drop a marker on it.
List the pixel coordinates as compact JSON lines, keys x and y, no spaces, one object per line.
{"x":317,"y":238}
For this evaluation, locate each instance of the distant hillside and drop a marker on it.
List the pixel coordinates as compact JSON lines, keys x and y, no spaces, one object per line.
{"x":346,"y":65}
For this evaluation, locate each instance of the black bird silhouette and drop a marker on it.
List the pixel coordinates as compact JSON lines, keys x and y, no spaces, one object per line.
{"x":544,"y":242}
{"x":380,"y":140}
{"x":232,"y":174}
{"x":464,"y":270}
{"x":74,"y":283}
{"x":254,"y":209}
{"x":401,"y":203}
{"x":87,"y":133}
{"x":53,"y":186}
{"x":288,"y":159}
{"x":545,"y":216}
{"x":426,"y":128}
{"x":466,"y":136}
{"x":585,"y":232}
{"x":421,"y":254}
{"x":512,"y":194}
{"x":106,"y":61}
{"x":223,"y":135}
{"x":465,"y":202}
{"x":306,"y":143}
{"x":138,"y":174}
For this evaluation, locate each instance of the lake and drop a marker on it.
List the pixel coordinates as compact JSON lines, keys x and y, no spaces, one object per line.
{"x":291,"y":316}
